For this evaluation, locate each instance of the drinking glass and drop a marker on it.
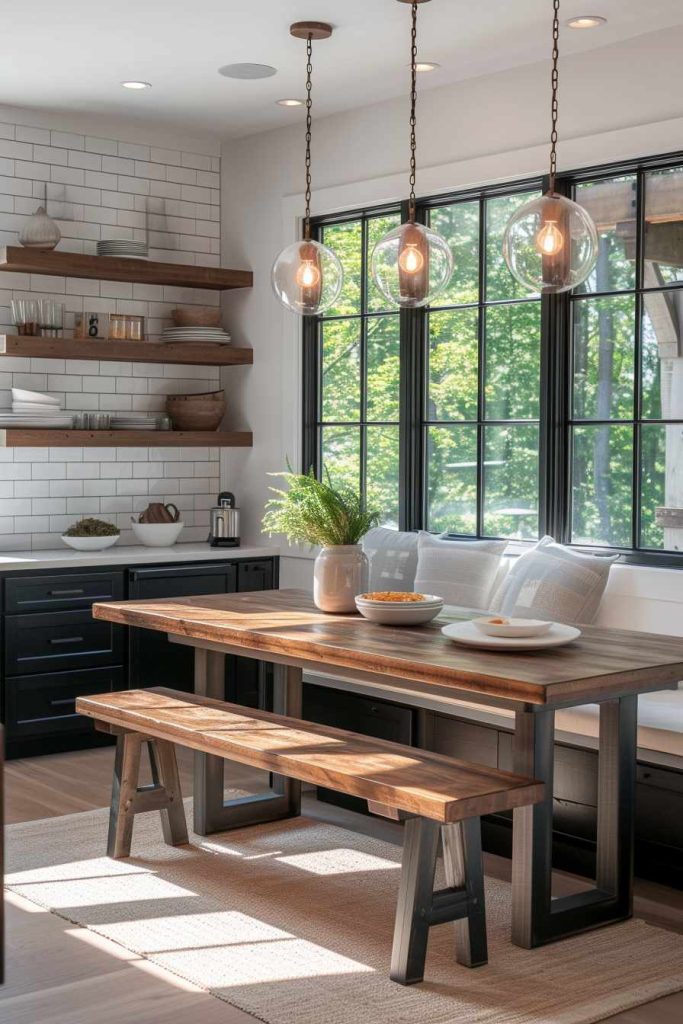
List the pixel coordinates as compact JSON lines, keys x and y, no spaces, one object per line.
{"x":51,"y":317}
{"x":25,"y":315}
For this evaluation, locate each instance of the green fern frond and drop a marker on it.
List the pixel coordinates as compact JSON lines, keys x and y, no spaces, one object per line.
{"x":315,"y":512}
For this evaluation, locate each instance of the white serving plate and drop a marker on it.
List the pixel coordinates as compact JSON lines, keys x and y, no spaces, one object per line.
{"x":90,"y":543}
{"x":393,"y":613}
{"x":19,"y":395}
{"x":512,"y":628}
{"x":466,"y":633}
{"x":9,"y":421}
{"x":36,"y":408}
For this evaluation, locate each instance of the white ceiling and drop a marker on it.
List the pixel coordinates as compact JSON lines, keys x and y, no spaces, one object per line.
{"x":71,"y":55}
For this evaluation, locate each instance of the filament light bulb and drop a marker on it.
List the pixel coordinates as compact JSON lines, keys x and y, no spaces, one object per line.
{"x":411,"y":259}
{"x":549,"y":240}
{"x":308,"y":275}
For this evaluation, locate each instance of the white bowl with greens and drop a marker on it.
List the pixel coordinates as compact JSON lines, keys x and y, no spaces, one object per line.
{"x":91,"y":535}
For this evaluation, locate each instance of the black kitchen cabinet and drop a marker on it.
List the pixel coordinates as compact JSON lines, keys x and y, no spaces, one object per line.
{"x":152,"y":659}
{"x":53,"y":651}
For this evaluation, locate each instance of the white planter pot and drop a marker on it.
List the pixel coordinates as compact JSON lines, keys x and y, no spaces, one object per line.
{"x":339,"y":574}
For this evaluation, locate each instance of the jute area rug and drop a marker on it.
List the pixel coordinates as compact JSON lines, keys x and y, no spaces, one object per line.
{"x":292,"y":922}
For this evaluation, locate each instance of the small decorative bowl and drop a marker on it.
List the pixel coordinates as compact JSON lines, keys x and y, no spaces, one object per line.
{"x":400,"y":613}
{"x":90,"y":543}
{"x":502,"y":625}
{"x":196,"y":412}
{"x":197,"y":316}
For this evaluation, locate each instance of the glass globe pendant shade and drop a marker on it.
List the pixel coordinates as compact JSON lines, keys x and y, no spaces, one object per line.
{"x":411,"y":265}
{"x":307,"y":277}
{"x":550,"y":244}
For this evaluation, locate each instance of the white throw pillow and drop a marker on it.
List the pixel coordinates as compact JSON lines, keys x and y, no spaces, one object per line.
{"x":393,"y":559}
{"x":554,"y":582}
{"x":462,"y":572}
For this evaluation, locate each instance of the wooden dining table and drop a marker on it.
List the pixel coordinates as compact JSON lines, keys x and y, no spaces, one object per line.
{"x":414,"y":664}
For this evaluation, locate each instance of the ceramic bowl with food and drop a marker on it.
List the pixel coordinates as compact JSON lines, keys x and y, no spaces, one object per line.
{"x":395,"y":608}
{"x":503,"y":625}
{"x":90,"y":543}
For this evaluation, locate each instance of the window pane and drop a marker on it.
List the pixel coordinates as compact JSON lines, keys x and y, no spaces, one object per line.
{"x":382,"y":473}
{"x":662,"y":347}
{"x":612,"y":205}
{"x":513,"y":361}
{"x":602,"y":493}
{"x":459,"y":225}
{"x":603,"y":358}
{"x":453,"y":363}
{"x":452,"y":479}
{"x":500,"y":284}
{"x":341,"y":370}
{"x":378,"y":227}
{"x":345,"y":240}
{"x":661,"y":457}
{"x":511,"y":481}
{"x":341,"y":456}
{"x":663,"y":226}
{"x":384,"y":368}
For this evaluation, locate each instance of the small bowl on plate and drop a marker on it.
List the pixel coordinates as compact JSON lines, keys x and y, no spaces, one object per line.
{"x":399,"y":609}
{"x":503,"y":625}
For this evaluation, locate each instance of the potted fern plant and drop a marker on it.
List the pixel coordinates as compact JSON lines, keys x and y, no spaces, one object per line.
{"x":312,"y":511}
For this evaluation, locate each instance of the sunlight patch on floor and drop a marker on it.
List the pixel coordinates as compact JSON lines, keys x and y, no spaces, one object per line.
{"x":341,"y":861}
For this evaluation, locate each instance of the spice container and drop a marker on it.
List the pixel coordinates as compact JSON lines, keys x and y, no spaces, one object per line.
{"x":118,"y":326}
{"x":135,"y":328}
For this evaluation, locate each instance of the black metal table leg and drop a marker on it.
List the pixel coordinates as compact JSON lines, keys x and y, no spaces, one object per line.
{"x":537,"y":918}
{"x":212,"y":813}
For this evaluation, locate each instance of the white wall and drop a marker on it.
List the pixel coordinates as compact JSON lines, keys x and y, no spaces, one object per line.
{"x":619,"y":102}
{"x":104,"y":180}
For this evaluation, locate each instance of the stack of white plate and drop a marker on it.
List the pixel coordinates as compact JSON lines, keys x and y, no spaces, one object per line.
{"x":133,"y":421}
{"x":128,"y":248}
{"x":208,"y":335}
{"x":395,"y":609}
{"x":33,"y":409}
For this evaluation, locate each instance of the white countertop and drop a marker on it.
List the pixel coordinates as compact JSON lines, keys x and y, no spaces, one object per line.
{"x":138,"y":554}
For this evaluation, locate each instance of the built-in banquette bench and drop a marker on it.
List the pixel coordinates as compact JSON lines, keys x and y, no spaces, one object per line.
{"x":437,"y":796}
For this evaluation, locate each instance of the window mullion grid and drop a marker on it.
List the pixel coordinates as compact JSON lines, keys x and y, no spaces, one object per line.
{"x":637,"y":360}
{"x":364,"y":358}
{"x":481,"y":371}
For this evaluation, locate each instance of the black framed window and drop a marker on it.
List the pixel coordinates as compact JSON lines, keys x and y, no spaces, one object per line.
{"x":499,"y":413}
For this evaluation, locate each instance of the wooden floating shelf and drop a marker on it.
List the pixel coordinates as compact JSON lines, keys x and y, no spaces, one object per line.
{"x":40,"y":437}
{"x":112,"y":268}
{"x":190,"y":353}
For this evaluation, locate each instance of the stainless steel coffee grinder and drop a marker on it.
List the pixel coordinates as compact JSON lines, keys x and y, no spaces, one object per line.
{"x":224,"y":523}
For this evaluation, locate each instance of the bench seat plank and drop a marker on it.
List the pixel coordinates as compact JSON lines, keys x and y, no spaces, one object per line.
{"x":411,"y":780}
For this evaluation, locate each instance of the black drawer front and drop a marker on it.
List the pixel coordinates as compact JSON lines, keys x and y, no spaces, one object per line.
{"x":255,"y":575}
{"x":45,"y":705}
{"x":57,"y":593}
{"x":58,"y":641}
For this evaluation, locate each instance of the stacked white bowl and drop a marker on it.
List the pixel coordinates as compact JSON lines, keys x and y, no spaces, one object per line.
{"x":31,"y":408}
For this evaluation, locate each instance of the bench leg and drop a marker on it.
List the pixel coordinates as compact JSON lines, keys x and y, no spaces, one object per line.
{"x":129,"y":799}
{"x":420,"y":907}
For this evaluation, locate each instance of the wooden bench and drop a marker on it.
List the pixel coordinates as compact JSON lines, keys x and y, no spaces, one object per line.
{"x":439,"y":797}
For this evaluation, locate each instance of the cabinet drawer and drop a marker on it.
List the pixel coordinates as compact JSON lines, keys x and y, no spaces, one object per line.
{"x":60,"y":640}
{"x":255,"y":575}
{"x":44,"y":705}
{"x":57,"y":593}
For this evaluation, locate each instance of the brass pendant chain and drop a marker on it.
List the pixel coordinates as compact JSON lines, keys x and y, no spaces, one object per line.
{"x":555,"y":84}
{"x":413,"y":118}
{"x":309,"y":104}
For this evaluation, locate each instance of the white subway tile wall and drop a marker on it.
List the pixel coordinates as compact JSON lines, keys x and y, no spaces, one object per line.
{"x":100,"y":188}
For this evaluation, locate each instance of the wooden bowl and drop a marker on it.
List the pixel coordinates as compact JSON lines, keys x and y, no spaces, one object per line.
{"x":197,"y":316}
{"x":196,"y":412}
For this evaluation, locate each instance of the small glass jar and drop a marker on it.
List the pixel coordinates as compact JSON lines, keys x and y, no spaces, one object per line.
{"x":163,"y":421}
{"x":118,"y":326}
{"x":135,"y":328}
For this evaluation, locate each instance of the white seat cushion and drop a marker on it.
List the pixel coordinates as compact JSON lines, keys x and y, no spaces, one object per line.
{"x":392,"y":555}
{"x":554,"y":582}
{"x":462,"y":572}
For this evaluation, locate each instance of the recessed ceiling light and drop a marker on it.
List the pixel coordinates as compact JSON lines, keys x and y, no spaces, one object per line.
{"x":247,"y":71}
{"x":290,"y":103}
{"x":136,"y":85}
{"x":587,"y":21}
{"x":427,"y":65}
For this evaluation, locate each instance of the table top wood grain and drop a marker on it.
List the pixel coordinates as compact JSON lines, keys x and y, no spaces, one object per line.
{"x":393,"y":775}
{"x":285,"y":623}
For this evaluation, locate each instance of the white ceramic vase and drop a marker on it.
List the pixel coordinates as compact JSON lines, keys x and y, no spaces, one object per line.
{"x":40,"y":231}
{"x":339,"y":574}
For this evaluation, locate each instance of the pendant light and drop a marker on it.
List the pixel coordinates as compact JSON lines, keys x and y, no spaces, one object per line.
{"x":412,"y":264}
{"x":551,"y":244}
{"x":307,"y":277}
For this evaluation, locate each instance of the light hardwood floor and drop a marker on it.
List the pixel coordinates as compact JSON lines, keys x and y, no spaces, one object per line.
{"x":63,"y":974}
